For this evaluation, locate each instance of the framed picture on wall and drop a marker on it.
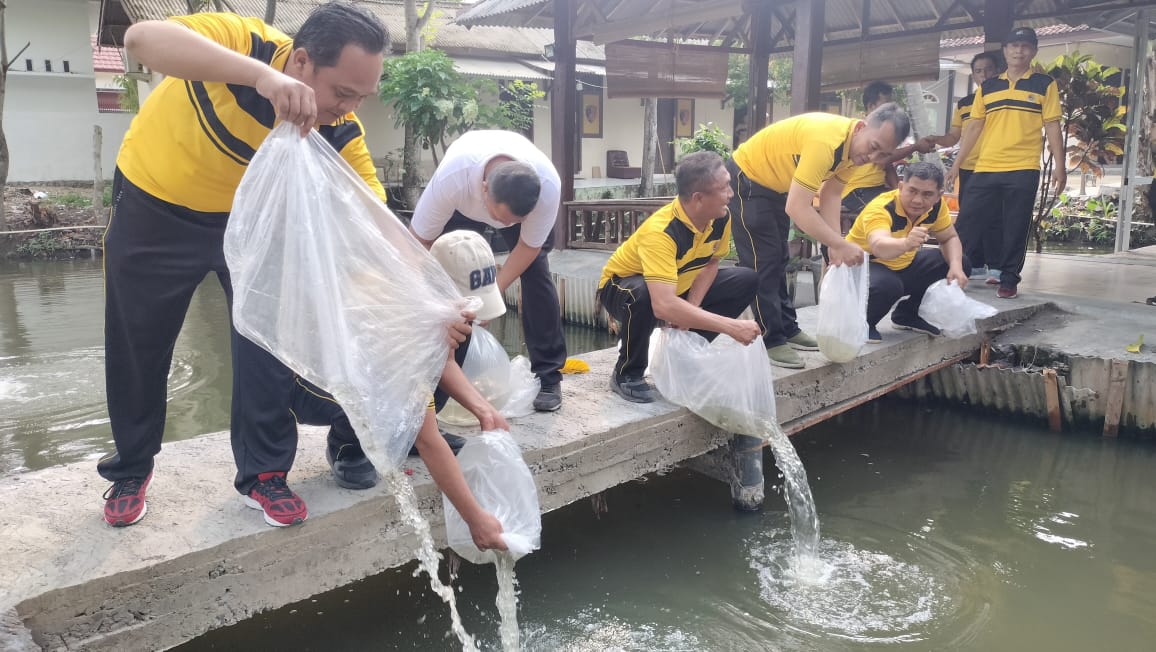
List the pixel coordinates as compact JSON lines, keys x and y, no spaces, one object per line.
{"x":684,"y":118}
{"x":591,"y":117}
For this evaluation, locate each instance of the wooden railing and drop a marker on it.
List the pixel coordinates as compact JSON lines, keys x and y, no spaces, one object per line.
{"x":607,"y":223}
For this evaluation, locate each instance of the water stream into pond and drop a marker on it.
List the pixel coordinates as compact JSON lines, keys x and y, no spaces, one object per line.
{"x":943,"y":529}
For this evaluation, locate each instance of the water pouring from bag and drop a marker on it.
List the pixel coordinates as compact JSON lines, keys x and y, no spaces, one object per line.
{"x":503,"y":485}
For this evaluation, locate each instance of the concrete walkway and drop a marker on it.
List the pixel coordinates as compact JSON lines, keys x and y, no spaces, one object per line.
{"x":201,"y":560}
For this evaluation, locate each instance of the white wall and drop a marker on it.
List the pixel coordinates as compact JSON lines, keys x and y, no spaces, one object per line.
{"x":49,"y":117}
{"x":622,"y":129}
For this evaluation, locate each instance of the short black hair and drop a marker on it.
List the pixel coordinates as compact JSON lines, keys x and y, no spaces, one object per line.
{"x":876,"y":91}
{"x":514,"y":184}
{"x":696,"y":173}
{"x":334,"y":25}
{"x":990,"y":55}
{"x":926,"y":171}
{"x":891,"y":112}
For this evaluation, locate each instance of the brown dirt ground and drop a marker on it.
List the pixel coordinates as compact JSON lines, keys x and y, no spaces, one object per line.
{"x":70,"y":206}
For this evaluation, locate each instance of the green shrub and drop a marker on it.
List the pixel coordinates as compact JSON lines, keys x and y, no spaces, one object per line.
{"x":707,"y":138}
{"x":41,"y":245}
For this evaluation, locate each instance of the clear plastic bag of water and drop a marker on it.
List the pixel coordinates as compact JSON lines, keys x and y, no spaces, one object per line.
{"x":503,"y":486}
{"x":842,"y":328}
{"x":946,"y":307}
{"x":330,"y":282}
{"x":507,"y":384}
{"x":727,"y":383}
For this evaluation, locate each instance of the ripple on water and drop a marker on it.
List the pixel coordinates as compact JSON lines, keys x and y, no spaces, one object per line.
{"x":58,"y":400}
{"x":867,"y":596}
{"x":594,"y":630}
{"x":1030,"y":510}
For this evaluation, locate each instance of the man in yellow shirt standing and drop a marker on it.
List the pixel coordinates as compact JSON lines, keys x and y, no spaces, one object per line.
{"x":894,"y":227}
{"x":1007,"y":117}
{"x":984,"y":66}
{"x":228,"y":80}
{"x":775,"y":176}
{"x":669,"y":270}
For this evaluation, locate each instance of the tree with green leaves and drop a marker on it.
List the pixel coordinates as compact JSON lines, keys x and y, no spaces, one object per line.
{"x":1091,"y":123}
{"x":5,"y":65}
{"x":779,"y":72}
{"x":430,"y":97}
{"x":416,"y":21}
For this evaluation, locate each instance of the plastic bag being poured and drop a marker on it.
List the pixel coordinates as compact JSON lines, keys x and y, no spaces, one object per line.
{"x":330,"y":282}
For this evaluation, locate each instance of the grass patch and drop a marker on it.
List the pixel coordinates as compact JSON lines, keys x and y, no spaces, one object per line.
{"x":72,"y":200}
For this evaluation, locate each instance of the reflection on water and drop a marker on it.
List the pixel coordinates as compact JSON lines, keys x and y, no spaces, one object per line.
{"x":52,"y":364}
{"x":932,"y":537}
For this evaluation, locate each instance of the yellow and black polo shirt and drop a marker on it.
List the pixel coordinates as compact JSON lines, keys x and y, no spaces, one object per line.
{"x":962,"y":115}
{"x":885,"y":213}
{"x":865,"y":176}
{"x":808,"y":148}
{"x":192,"y":141}
{"x":1014,"y":113}
{"x":667,"y":248}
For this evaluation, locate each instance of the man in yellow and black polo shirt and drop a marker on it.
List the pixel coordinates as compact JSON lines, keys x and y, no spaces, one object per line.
{"x":893,"y":227}
{"x":1007,"y":117}
{"x":229,"y":79}
{"x":878,"y":176}
{"x":984,"y":66}
{"x":775,"y":176}
{"x":669,"y":270}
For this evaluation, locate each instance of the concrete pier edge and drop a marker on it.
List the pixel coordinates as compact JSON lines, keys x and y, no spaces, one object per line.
{"x":200,"y":560}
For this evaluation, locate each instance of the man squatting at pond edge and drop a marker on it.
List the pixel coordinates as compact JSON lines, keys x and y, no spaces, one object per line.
{"x":228,"y":79}
{"x":669,"y":270}
{"x":893,"y":227}
{"x":775,"y":177}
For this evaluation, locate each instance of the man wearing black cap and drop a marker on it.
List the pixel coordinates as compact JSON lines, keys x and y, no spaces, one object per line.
{"x":1006,"y":118}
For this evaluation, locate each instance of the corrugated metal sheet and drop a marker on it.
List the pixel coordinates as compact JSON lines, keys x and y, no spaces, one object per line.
{"x":576,"y":296}
{"x":1019,"y":391}
{"x":580,"y":68}
{"x":844,"y":18}
{"x":496,"y":69}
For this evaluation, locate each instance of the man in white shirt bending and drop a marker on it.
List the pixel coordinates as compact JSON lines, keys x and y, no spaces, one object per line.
{"x":501,"y":179}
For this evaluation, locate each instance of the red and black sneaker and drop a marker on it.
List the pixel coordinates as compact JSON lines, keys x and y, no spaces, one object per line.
{"x":124,"y":502}
{"x":276,"y":500}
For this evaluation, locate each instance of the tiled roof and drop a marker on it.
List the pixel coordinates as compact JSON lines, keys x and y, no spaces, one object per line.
{"x":1042,"y":32}
{"x":523,"y":42}
{"x":106,"y":59}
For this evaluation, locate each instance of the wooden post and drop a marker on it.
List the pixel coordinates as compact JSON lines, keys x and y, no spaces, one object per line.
{"x":97,"y":177}
{"x":760,"y":38}
{"x":1052,"y":399}
{"x":564,"y":110}
{"x":1117,"y":383}
{"x":998,"y":16}
{"x":984,"y":354}
{"x":809,"y":31}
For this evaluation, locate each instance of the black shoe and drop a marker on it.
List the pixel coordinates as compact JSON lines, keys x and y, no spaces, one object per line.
{"x":455,"y":443}
{"x":915,"y":323}
{"x":873,"y":336}
{"x":635,"y":390}
{"x":549,"y":398}
{"x":351,"y":468}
